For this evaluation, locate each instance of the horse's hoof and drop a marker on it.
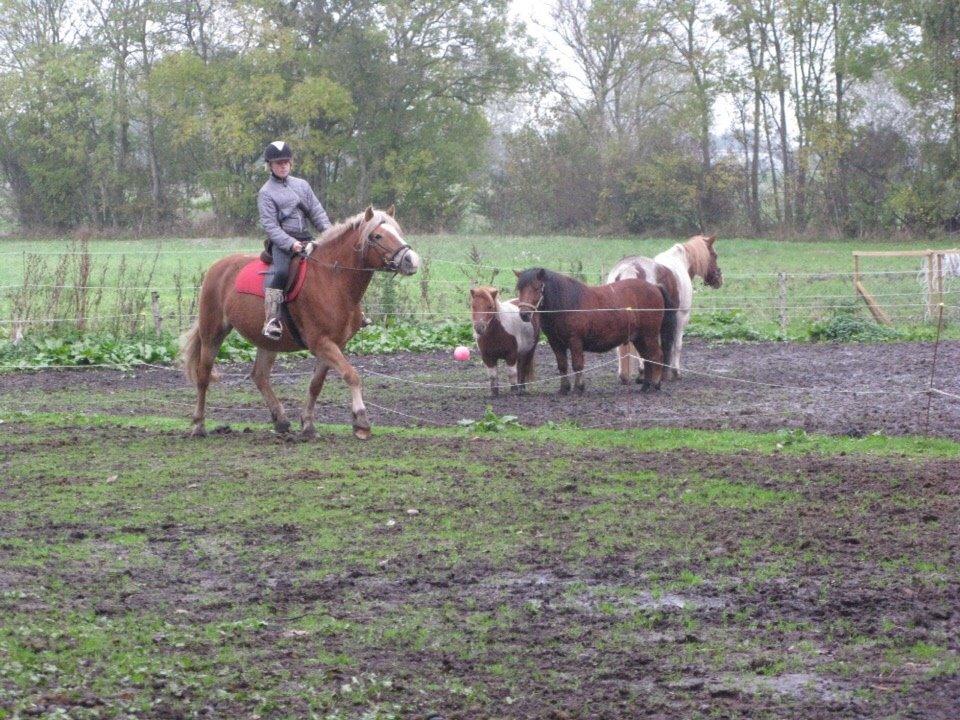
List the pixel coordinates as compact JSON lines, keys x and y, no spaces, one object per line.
{"x":564,"y":390}
{"x":281,"y":427}
{"x":676,"y":375}
{"x":644,"y":386}
{"x":494,"y":392}
{"x":624,"y":380}
{"x":198,"y":431}
{"x":308,"y":432}
{"x":361,"y":425}
{"x":580,"y":388}
{"x":361,"y":433}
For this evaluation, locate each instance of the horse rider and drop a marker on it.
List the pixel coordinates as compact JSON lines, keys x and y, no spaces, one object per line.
{"x":284,"y":203}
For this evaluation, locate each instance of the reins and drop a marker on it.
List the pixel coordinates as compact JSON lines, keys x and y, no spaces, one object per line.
{"x":392,"y":263}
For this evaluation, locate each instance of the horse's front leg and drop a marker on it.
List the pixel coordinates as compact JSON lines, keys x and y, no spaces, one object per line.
{"x":514,"y":373}
{"x":560,"y":351}
{"x":328,"y":352}
{"x":494,"y":381}
{"x":511,"y":361}
{"x":261,"y":378}
{"x":316,"y":385}
{"x":576,"y":360}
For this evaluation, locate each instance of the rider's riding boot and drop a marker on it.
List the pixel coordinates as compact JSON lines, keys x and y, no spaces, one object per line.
{"x":272,"y":298}
{"x":364,"y":320}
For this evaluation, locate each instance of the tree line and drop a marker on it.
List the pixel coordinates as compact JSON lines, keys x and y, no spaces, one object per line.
{"x":790,"y":116}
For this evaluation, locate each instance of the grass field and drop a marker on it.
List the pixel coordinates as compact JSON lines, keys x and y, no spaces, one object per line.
{"x":445,"y":573}
{"x":817,"y":283}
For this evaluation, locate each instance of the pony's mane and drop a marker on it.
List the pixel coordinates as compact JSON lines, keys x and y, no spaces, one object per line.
{"x":486,"y":290}
{"x":559,"y":291}
{"x":698,"y":255}
{"x":357,"y":221}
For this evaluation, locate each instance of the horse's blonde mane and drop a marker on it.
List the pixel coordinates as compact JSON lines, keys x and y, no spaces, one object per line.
{"x":357,"y":221}
{"x":698,"y":254}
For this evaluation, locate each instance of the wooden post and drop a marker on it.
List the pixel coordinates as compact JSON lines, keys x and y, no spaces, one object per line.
{"x":939,"y":298}
{"x":931,"y":284}
{"x":878,"y":314}
{"x":155,"y":304}
{"x":782,"y":283}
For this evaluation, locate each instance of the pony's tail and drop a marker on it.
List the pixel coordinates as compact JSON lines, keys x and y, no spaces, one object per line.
{"x":190,"y":346}
{"x":668,"y":328}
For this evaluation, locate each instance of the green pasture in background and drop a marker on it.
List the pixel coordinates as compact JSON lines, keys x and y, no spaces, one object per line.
{"x":817,"y":282}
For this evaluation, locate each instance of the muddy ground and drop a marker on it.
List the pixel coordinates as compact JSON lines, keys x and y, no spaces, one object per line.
{"x":838,"y":389}
{"x":531,"y":583}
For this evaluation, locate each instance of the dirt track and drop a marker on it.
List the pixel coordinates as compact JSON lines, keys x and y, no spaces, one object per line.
{"x":848,"y":389}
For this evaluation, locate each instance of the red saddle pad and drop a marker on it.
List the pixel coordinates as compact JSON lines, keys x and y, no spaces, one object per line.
{"x":250,"y":279}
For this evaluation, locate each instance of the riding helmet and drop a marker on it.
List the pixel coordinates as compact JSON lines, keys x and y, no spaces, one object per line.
{"x":277,"y":150}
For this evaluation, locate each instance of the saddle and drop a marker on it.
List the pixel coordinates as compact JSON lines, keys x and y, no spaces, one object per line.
{"x":250,"y":278}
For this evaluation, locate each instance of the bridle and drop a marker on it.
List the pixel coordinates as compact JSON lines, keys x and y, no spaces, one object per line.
{"x":530,"y":306}
{"x":391,"y":261}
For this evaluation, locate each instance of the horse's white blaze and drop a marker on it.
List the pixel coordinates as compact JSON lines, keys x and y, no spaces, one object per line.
{"x":394,"y":233}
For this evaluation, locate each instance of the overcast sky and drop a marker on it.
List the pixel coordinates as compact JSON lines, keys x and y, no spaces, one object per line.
{"x":536,"y":15}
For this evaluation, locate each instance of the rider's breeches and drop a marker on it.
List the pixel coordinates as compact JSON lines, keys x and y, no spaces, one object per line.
{"x":276,"y":276}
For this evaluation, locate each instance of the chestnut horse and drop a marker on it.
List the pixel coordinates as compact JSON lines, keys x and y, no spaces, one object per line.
{"x":579,"y":317}
{"x":502,"y":335}
{"x":684,"y":261}
{"x":326,"y":314}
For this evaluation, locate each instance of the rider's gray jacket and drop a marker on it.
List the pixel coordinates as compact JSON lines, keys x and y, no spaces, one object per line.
{"x":282,"y":204}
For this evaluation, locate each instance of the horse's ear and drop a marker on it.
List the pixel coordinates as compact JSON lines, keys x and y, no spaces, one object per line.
{"x":473,"y":292}
{"x":517,"y":273}
{"x":710,"y":239}
{"x":542,"y":275}
{"x":368,"y":215}
{"x":392,"y":210}
{"x":494,"y":293}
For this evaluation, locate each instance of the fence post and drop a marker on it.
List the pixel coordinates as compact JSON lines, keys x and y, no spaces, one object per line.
{"x":155,"y":304}
{"x":940,"y":258}
{"x":782,"y":283}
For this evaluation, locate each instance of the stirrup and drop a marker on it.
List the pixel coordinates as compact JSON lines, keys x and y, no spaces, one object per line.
{"x":273,"y":329}
{"x":365,"y":321}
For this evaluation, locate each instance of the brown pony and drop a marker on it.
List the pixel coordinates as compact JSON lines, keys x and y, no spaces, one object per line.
{"x":578,"y":317}
{"x":326,"y":313}
{"x":502,"y":335}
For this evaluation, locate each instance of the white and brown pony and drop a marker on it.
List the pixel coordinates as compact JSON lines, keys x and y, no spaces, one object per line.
{"x":501,"y":334}
{"x":673,"y":270}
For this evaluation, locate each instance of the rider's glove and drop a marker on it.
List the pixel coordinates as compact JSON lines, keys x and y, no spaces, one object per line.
{"x":308,"y":248}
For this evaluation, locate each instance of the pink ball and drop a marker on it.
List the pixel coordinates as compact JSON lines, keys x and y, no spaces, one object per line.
{"x":461,"y":353}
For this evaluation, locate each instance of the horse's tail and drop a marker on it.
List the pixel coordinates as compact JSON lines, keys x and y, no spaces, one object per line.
{"x":668,"y":328}
{"x":190,"y":345}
